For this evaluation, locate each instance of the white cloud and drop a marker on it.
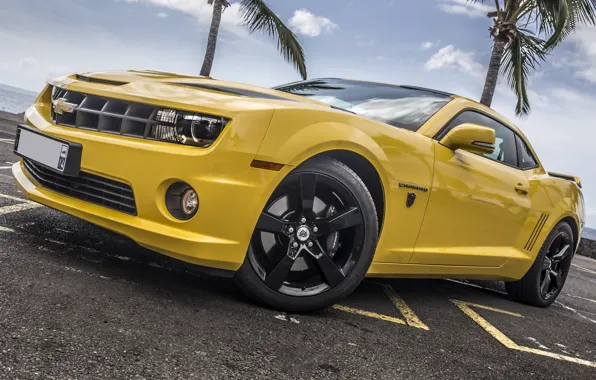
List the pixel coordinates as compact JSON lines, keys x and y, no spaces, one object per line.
{"x":451,"y":57}
{"x":162,"y":15}
{"x":572,"y":96}
{"x":308,"y":24}
{"x":31,"y":68}
{"x":538,"y":100}
{"x":202,"y":12}
{"x":427,"y":45}
{"x":585,"y":63}
{"x":464,"y":7}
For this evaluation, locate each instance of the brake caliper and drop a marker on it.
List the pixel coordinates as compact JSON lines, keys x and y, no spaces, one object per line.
{"x":333,"y":238}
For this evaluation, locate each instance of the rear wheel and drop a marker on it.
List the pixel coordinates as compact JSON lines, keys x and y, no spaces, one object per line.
{"x":545,"y":279}
{"x":313,"y":242}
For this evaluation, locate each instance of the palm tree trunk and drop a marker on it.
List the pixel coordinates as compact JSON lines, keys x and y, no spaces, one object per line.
{"x":493,"y":72}
{"x":212,"y":39}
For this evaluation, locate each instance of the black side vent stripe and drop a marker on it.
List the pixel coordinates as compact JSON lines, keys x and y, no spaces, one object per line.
{"x":533,"y":232}
{"x":537,"y":229}
{"x":100,"y":81}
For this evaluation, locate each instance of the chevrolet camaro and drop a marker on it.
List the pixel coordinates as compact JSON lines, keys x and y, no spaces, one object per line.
{"x":301,"y":191}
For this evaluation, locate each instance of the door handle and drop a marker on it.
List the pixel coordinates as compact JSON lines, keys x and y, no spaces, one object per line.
{"x":521,"y":189}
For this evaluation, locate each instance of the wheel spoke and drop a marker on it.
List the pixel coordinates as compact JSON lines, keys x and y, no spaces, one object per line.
{"x":350,"y":217}
{"x":545,"y":283}
{"x":333,"y":275}
{"x":276,"y":277}
{"x":546,"y":264}
{"x":308,"y":185}
{"x":562,"y":254}
{"x":270,"y":223}
{"x":556,"y":278}
{"x":554,"y":246}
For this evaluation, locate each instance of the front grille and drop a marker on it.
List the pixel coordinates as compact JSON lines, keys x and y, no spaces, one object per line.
{"x":97,"y":113}
{"x":87,"y":187}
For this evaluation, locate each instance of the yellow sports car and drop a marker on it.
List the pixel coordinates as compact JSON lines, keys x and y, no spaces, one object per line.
{"x":301,"y":191}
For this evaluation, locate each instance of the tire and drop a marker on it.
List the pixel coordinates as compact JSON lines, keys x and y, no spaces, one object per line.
{"x":350,"y":249}
{"x":530,"y":289}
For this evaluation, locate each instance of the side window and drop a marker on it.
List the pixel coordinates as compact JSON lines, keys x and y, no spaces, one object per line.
{"x":526,"y":159}
{"x":505,"y":148}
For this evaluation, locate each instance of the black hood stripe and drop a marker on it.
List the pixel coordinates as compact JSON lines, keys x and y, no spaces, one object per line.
{"x":233,"y":91}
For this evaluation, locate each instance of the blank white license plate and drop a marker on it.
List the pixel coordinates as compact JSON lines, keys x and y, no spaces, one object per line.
{"x":42,"y":149}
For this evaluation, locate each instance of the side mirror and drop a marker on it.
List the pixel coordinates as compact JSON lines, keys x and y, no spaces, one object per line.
{"x":470,"y":137}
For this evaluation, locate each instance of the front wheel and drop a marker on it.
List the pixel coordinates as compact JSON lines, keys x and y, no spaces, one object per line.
{"x":545,"y":279}
{"x":313,"y":242}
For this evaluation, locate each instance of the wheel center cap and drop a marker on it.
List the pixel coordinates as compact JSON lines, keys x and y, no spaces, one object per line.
{"x":303,"y":233}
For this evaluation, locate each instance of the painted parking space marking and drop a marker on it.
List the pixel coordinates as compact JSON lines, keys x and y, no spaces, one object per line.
{"x":15,"y":198}
{"x":5,"y":167}
{"x":17,"y":208}
{"x":23,"y":205}
{"x":466,"y":308}
{"x":409,"y":316}
{"x":7,"y":141}
{"x":370,"y":314}
{"x":581,"y":298}
{"x":583,"y":269}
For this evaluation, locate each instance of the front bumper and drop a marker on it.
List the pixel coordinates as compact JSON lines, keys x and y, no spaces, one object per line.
{"x":231,"y":193}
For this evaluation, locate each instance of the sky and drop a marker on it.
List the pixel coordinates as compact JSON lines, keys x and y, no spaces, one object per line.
{"x":441,"y":44}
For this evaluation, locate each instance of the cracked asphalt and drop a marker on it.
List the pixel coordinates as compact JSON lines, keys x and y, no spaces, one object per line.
{"x":80,"y":302}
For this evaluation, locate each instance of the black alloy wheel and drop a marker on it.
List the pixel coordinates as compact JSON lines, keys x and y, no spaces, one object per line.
{"x":543,"y":282}
{"x":556,"y":265}
{"x":317,"y":230}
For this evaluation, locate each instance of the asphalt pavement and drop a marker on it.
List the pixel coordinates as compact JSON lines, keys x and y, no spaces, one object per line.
{"x":80,"y":302}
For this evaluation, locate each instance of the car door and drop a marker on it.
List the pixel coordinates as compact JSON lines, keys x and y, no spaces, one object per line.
{"x":478,"y":203}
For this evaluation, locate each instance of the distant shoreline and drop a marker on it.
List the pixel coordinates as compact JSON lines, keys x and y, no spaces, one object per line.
{"x":9,"y":116}
{"x":9,"y":122}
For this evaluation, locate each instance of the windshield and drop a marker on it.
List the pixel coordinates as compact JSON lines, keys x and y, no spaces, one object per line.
{"x":403,"y":107}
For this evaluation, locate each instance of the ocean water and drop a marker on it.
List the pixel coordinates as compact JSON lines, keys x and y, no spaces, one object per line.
{"x":15,"y":100}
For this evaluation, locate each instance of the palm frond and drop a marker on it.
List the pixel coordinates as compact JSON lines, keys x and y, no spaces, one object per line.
{"x":559,"y":18}
{"x":522,"y":55}
{"x":256,"y":15}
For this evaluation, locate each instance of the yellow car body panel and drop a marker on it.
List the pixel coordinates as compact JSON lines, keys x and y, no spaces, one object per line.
{"x":468,"y":220}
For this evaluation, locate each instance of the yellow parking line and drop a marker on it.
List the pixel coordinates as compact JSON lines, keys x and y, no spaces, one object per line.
{"x":411,"y":317}
{"x":368,"y":314}
{"x":583,"y":269}
{"x":504,"y":340}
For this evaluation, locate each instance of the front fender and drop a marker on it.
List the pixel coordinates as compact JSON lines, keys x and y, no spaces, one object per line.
{"x":296,"y":135}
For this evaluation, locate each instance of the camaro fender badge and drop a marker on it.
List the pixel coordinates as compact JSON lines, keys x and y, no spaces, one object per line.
{"x":413,"y":187}
{"x":61,"y":106}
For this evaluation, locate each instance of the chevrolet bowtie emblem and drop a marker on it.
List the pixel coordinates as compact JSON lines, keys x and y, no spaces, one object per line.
{"x":61,"y":106}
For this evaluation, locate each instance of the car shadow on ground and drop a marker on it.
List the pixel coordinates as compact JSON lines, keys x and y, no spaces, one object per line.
{"x":77,"y":245}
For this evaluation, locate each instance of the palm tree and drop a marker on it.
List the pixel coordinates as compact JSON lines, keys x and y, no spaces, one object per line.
{"x":518,"y":46}
{"x":256,"y":15}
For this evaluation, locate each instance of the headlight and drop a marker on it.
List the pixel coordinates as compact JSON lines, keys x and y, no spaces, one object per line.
{"x":187,"y":127}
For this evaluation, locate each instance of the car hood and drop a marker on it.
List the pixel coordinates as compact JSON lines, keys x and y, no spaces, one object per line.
{"x":181,"y":91}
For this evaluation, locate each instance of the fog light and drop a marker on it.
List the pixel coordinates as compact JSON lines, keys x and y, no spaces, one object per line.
{"x":190,"y":202}
{"x":182,"y":201}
